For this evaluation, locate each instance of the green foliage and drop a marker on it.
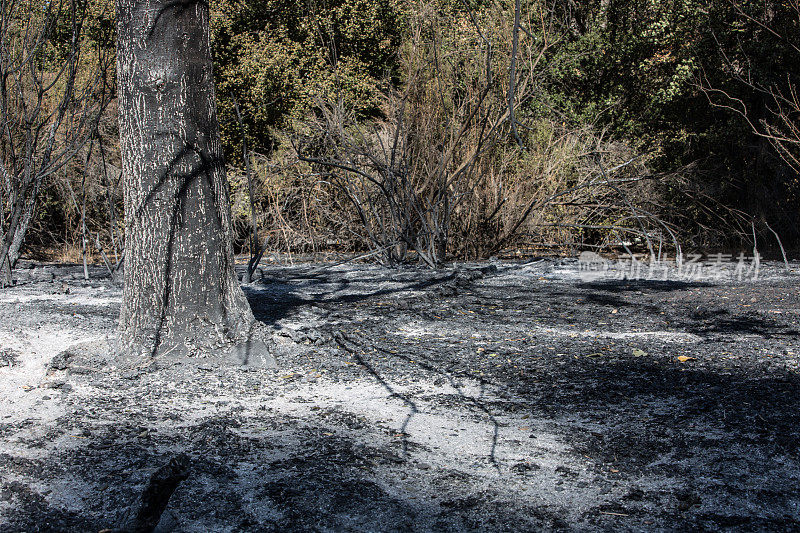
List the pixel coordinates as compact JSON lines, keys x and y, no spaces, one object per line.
{"x":647,"y":71}
{"x":276,"y":56}
{"x":629,"y":66}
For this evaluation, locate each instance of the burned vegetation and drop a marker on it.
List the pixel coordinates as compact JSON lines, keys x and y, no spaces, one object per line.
{"x":503,"y":396}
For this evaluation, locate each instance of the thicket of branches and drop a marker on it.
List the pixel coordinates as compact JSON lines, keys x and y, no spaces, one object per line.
{"x":454,"y":129}
{"x":53,"y":91}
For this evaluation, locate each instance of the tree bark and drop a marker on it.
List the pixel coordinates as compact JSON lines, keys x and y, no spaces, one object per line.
{"x":22,"y":213}
{"x":181,"y":294}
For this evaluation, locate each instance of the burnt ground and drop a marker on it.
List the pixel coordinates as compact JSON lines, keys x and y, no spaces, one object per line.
{"x":497,"y":397}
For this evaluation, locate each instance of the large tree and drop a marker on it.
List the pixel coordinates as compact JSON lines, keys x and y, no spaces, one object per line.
{"x":181,"y":294}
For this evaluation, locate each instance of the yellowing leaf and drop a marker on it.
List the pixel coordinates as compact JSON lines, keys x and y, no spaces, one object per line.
{"x":683,"y":358}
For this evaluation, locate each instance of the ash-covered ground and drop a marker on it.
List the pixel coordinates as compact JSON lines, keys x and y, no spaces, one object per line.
{"x":495,"y":396}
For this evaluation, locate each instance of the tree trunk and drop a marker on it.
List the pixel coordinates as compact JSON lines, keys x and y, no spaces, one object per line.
{"x":28,"y":208}
{"x":22,"y":213}
{"x":181,"y":294}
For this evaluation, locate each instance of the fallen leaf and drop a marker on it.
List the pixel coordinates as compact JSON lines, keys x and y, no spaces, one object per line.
{"x":639,"y":353}
{"x":683,"y":358}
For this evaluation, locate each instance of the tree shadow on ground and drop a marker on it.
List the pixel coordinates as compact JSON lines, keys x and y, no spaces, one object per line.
{"x":720,"y":419}
{"x":314,"y":480}
{"x":744,"y":324}
{"x":725,"y":445}
{"x":276,"y":296}
{"x":728,"y":439}
{"x":644,"y":442}
{"x":621,"y":286}
{"x":696,"y":449}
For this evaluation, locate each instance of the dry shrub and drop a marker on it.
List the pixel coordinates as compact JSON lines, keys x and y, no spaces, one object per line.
{"x":413,"y":176}
{"x":85,"y":191}
{"x":575,"y":188}
{"x":296,"y":210}
{"x":459,"y":168}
